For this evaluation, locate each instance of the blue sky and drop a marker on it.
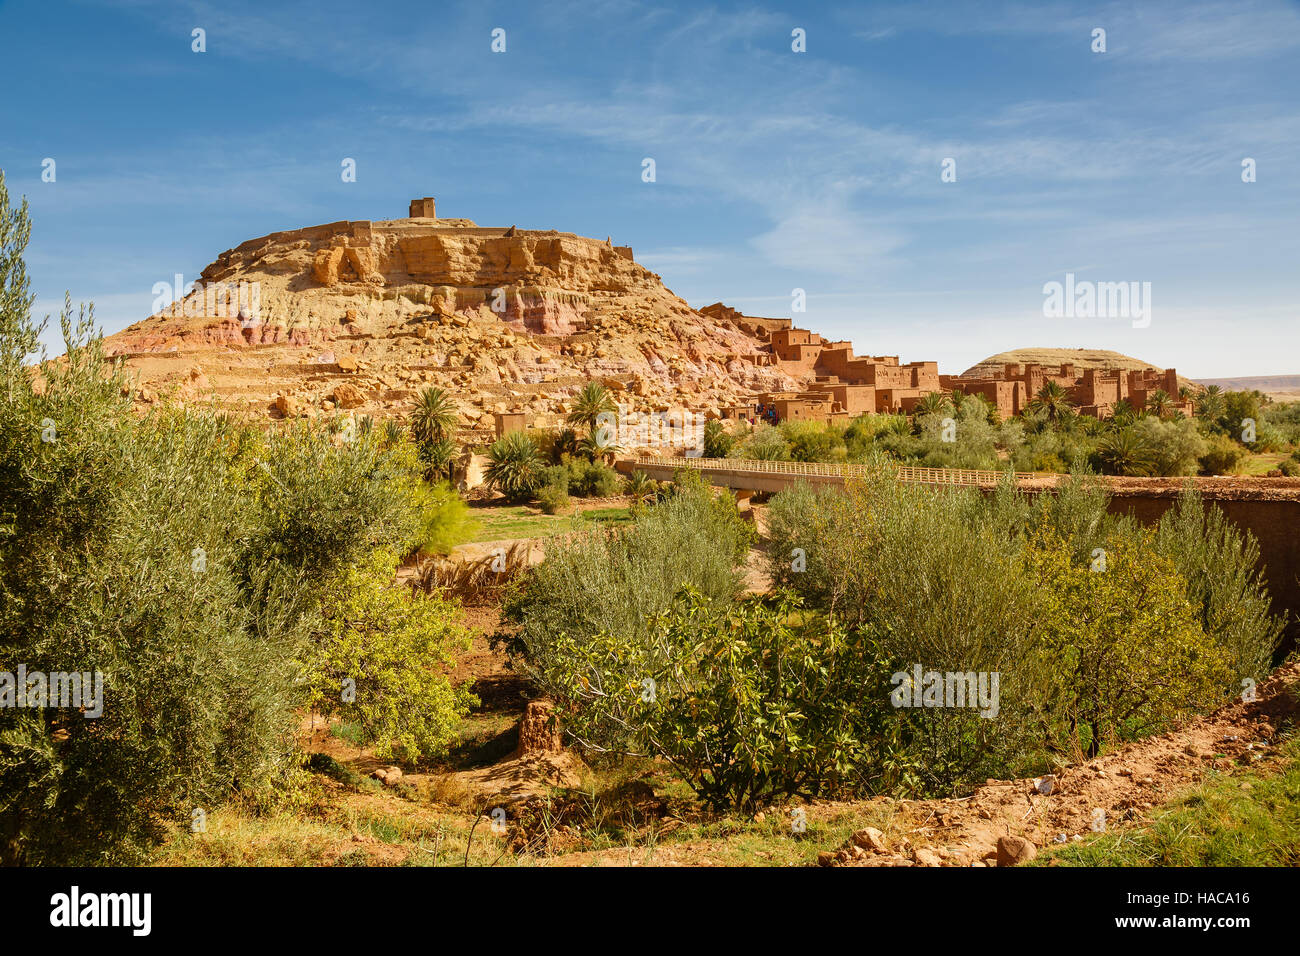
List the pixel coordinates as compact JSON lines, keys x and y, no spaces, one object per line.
{"x":775,"y":170}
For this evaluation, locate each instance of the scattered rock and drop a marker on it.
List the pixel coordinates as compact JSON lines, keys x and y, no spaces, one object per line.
{"x":1014,"y":850}
{"x":869,"y":838}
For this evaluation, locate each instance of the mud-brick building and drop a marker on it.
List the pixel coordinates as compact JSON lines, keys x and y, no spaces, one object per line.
{"x":1093,"y":391}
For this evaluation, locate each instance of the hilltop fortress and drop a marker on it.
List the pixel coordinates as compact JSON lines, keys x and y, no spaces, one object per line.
{"x":360,"y":315}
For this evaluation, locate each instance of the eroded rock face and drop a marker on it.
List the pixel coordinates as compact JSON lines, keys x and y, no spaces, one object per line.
{"x":503,"y":319}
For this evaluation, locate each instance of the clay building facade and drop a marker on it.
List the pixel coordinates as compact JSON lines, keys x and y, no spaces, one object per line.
{"x":1094,"y":392}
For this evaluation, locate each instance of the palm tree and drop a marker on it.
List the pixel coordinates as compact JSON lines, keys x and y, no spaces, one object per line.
{"x":435,"y":416}
{"x":600,"y":445}
{"x":641,"y":486}
{"x":1052,"y":403}
{"x":932,"y":403}
{"x":593,"y":401}
{"x":437,"y":457}
{"x":1160,"y":404}
{"x":1211,"y":404}
{"x":514,"y":465}
{"x":392,"y":434}
{"x":433,"y":425}
{"x":1125,"y":452}
{"x":1123,"y":413}
{"x":566,"y":443}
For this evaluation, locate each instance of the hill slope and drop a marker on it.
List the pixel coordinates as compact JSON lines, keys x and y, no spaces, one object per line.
{"x":364,"y":314}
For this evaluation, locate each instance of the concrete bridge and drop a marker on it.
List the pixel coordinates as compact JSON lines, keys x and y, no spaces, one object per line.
{"x":770,"y":477}
{"x":1267,"y":508}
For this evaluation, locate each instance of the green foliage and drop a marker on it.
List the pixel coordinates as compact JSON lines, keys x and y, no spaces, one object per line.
{"x":553,"y":499}
{"x":180,"y":555}
{"x":593,"y":401}
{"x":717,"y":440}
{"x":618,"y":581}
{"x":1125,"y":451}
{"x":763,"y":443}
{"x":1222,"y":455}
{"x":444,"y":519}
{"x":514,"y":466}
{"x":640,"y":485}
{"x":435,"y":416}
{"x":381,"y":659}
{"x":1129,"y":656}
{"x":955,"y":580}
{"x":1052,"y":403}
{"x":433,"y":426}
{"x":814,"y":441}
{"x":1220,"y":566}
{"x":1237,"y":407}
{"x":1174,"y":446}
{"x":747,"y":706}
{"x":593,"y":479}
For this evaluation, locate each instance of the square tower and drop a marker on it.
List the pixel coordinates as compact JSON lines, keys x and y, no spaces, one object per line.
{"x":423,"y":208}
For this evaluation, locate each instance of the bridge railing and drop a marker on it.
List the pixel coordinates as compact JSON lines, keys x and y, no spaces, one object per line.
{"x":953,"y":476}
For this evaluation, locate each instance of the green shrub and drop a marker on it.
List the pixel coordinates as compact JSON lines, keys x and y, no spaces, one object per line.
{"x":640,"y":485}
{"x":1128,"y":653}
{"x":717,"y":440}
{"x":514,"y":466}
{"x":1222,"y":455}
{"x":812,"y":441}
{"x":1175,"y":445}
{"x":556,"y":476}
{"x":183,"y":557}
{"x":553,"y":499}
{"x":748,"y":706}
{"x":1220,"y":566}
{"x":954,"y":580}
{"x":764,"y":443}
{"x":618,"y":581}
{"x":383,"y":652}
{"x":445,"y":519}
{"x":593,"y":479}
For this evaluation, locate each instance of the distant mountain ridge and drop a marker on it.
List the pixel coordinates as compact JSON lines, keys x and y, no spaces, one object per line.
{"x":1277,"y":387}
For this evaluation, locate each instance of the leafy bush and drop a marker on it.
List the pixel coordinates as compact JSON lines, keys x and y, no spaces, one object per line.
{"x":1174,"y":446}
{"x":180,"y":555}
{"x":958,"y":581}
{"x":619,"y":581}
{"x":1129,"y":656}
{"x":747,"y":706}
{"x":553,"y":499}
{"x":1222,"y":455}
{"x":393,"y":647}
{"x":764,"y":443}
{"x":514,"y":466}
{"x":1220,"y":566}
{"x":717,"y":440}
{"x":593,"y":479}
{"x":445,"y":519}
{"x":810,"y":441}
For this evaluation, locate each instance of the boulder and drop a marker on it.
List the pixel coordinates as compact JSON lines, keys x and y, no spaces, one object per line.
{"x":869,"y":838}
{"x":348,"y":396}
{"x":1014,"y":850}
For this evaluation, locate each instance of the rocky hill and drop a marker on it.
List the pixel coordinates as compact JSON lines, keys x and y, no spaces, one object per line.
{"x":362,"y":315}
